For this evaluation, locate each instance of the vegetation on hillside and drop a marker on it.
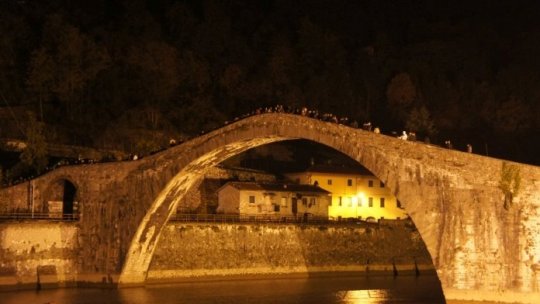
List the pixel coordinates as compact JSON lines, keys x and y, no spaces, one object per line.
{"x":131,"y":74}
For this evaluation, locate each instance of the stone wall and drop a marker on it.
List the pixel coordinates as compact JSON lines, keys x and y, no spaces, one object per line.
{"x":38,"y":254}
{"x":190,"y":250}
{"x":15,"y":199}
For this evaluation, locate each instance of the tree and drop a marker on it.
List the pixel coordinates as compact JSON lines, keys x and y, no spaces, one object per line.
{"x":35,"y":153}
{"x":511,"y":116}
{"x":14,"y":43}
{"x":419,"y":120}
{"x":401,"y":91}
{"x":40,"y":79}
{"x":79,"y":60}
{"x":72,"y":57}
{"x":157,"y":66}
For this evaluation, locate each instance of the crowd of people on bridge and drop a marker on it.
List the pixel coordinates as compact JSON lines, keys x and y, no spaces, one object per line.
{"x":303,"y":111}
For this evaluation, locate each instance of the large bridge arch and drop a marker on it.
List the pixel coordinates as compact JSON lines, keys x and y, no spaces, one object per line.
{"x":453,"y":197}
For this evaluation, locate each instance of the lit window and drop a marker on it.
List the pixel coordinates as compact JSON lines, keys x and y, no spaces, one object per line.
{"x":370,"y":183}
{"x":340,"y":200}
{"x":381,"y":184}
{"x":382,"y":202}
{"x":329,"y":181}
{"x":350,"y":201}
{"x":349,"y":182}
{"x":252,"y":199}
{"x":370,"y":202}
{"x":312,"y":202}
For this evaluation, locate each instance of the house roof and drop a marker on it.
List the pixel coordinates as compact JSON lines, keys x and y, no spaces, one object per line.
{"x":277,"y":187}
{"x":350,"y":170}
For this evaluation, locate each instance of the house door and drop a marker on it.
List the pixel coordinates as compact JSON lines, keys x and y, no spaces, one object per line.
{"x":294,"y":206}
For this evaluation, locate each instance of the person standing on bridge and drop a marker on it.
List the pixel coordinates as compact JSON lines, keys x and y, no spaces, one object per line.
{"x":403,"y":136}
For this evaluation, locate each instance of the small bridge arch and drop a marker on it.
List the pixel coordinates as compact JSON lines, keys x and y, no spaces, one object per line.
{"x":60,"y":198}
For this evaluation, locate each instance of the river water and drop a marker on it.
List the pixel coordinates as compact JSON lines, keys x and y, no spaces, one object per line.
{"x":325,"y":290}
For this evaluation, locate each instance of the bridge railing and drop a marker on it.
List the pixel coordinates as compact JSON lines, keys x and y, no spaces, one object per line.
{"x":277,"y":219}
{"x":18,"y":216}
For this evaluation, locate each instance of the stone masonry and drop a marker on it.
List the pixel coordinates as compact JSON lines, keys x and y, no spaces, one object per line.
{"x":483,"y":237}
{"x":192,"y":250}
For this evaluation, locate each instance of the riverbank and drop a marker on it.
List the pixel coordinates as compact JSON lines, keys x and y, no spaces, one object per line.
{"x":168,"y":277}
{"x":49,"y":256}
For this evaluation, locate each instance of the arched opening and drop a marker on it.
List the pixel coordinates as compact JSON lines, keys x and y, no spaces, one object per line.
{"x":60,"y":200}
{"x":390,"y":233}
{"x":69,"y":206}
{"x":382,"y":155}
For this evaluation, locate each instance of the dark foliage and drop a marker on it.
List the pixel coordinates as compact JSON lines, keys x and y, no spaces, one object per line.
{"x":104,"y":72}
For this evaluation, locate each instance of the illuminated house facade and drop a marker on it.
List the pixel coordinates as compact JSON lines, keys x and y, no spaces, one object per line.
{"x":273,"y":199}
{"x":356,"y":193}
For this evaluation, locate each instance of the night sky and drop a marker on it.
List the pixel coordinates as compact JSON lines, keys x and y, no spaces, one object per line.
{"x":130,"y":75}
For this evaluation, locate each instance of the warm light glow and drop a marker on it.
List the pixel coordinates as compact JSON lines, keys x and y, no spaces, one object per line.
{"x":368,"y":296}
{"x":351,"y":199}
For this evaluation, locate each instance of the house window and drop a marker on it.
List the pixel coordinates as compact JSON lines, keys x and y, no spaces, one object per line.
{"x":370,"y":202}
{"x":370,"y":183}
{"x":329,"y":181}
{"x":312,"y":202}
{"x":382,"y":202}
{"x":381,"y":184}
{"x":276,"y":208}
{"x":252,"y":199}
{"x":340,"y":200}
{"x":349,"y":182}
{"x":350,"y":201}
{"x":304,"y":201}
{"x":283,"y":201}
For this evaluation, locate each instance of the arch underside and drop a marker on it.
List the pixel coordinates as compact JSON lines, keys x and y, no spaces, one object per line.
{"x":146,"y":238}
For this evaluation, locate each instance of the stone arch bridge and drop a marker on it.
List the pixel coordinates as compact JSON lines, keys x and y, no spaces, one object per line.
{"x":479,"y":248}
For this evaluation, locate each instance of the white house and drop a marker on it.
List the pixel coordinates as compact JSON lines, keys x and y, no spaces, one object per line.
{"x":273,"y":199}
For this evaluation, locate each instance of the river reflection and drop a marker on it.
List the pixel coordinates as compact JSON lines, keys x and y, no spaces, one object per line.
{"x":330,"y":290}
